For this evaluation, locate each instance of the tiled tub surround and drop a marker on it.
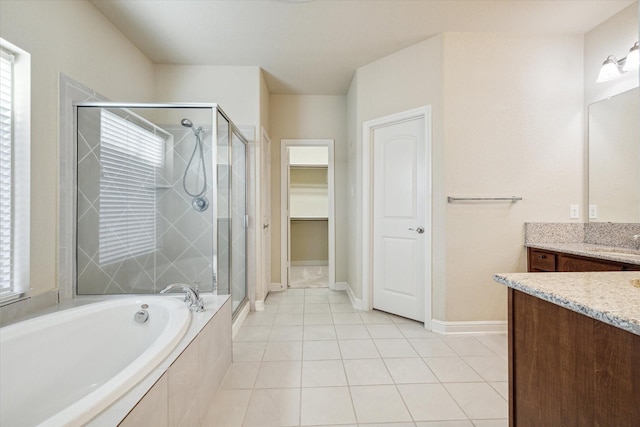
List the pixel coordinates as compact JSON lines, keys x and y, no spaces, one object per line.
{"x":580,"y":239}
{"x":610,"y":297}
{"x":179,"y":391}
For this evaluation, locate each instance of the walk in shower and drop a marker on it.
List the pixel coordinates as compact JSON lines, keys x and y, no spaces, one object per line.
{"x":160,"y":199}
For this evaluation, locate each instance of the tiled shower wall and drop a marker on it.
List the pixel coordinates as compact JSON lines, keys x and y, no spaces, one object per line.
{"x":184,"y":251}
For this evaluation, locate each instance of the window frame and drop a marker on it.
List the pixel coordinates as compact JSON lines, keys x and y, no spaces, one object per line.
{"x":21,"y":175}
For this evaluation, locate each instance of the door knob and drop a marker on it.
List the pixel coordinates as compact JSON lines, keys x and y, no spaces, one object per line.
{"x":265,"y":226}
{"x":418,"y":230}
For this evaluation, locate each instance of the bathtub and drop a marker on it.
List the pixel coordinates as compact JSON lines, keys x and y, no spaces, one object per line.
{"x":62,"y":369}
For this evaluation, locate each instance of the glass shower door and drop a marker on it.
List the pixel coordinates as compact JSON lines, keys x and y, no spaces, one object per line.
{"x":238,"y":222}
{"x":223,"y":183}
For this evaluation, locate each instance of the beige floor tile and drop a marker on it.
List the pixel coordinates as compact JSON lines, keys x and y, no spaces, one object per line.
{"x":290,"y":308}
{"x":316,"y":299}
{"x":248,"y":351}
{"x":465,"y":423}
{"x":468,"y":346}
{"x":479,"y":400}
{"x":317,"y":291}
{"x":415,"y":330}
{"x":343,"y":308}
{"x":321,"y":373}
{"x":379,"y":404}
{"x":279,"y":374}
{"x":367,"y":372}
{"x":352,"y":332}
{"x":273,"y":407}
{"x":317,"y":308}
{"x":430,"y":402}
{"x":410,"y":371}
{"x":319,"y":332}
{"x":241,"y":375}
{"x":338,"y":297}
{"x":358,"y":349}
{"x":228,"y":409}
{"x":292,"y":299}
{"x":374,"y":316}
{"x":320,"y":350}
{"x":452,"y":369}
{"x":288,"y":319}
{"x":253,"y":333}
{"x":286,"y":333}
{"x":491,"y":423}
{"x":384,"y":331}
{"x":431,"y":347}
{"x":395,"y":348}
{"x":498,"y":343}
{"x":318,"y":319}
{"x":259,"y":318}
{"x":491,"y":368}
{"x":347,"y":319}
{"x":283,"y":350}
{"x":326,"y":405}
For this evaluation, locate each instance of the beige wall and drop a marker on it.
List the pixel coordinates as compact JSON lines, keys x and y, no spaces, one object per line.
{"x":73,"y":38}
{"x":404,"y":80}
{"x":309,"y":117}
{"x":511,"y":124}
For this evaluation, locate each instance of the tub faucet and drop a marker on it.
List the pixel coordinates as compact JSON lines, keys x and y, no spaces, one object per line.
{"x":191,"y":296}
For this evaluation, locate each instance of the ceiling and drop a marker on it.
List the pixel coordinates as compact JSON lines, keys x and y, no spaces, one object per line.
{"x":314,"y":47}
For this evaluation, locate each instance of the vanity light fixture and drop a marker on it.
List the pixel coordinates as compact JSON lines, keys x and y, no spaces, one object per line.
{"x":613,"y":68}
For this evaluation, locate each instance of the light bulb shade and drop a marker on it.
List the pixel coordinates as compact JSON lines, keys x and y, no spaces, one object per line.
{"x":633,"y":59}
{"x":609,"y":70}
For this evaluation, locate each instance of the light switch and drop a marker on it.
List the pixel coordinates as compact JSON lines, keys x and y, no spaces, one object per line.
{"x":574,"y":211}
{"x":593,"y":211}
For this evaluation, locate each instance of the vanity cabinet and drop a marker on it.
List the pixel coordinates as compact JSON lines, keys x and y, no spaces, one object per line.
{"x":542,"y":260}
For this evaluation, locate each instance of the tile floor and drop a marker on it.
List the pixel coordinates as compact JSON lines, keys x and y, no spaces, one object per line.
{"x":310,"y":358}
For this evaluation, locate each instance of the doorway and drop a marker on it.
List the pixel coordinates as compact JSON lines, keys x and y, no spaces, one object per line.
{"x":307,"y":220}
{"x":397,"y":214}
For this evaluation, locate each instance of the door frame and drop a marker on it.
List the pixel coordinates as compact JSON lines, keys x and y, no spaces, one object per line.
{"x":284,"y":205}
{"x":263,"y":186}
{"x":367,"y":203}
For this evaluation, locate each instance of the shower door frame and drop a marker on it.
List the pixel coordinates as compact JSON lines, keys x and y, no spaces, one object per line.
{"x":233,"y":129}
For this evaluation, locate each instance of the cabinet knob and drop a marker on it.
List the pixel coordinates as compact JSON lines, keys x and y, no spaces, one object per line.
{"x":542,"y":257}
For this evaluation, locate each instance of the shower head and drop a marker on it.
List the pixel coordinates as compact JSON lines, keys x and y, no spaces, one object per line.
{"x":186,"y":123}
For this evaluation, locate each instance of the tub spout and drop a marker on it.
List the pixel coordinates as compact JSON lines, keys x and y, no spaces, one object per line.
{"x":191,"y":297}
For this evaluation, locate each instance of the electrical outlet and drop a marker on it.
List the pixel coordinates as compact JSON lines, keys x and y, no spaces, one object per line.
{"x":574,"y":211}
{"x":593,"y":211}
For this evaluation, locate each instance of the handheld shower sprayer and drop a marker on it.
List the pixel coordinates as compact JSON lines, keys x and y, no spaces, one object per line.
{"x":200,"y":202}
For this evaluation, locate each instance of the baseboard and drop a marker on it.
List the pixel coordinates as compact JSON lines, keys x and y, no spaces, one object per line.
{"x":470,"y":327}
{"x":276,"y":287}
{"x":357,"y":303}
{"x":239,"y":320}
{"x":339,"y":286}
{"x":259,"y":305}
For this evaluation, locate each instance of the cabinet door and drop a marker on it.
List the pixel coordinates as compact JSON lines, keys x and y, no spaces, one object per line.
{"x":570,"y":263}
{"x":541,"y":260}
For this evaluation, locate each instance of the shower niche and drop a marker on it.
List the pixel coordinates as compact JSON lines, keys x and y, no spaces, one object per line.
{"x":160,"y":199}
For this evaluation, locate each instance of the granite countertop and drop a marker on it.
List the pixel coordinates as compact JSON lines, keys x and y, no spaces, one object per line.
{"x":626,"y":255}
{"x":611,"y":297}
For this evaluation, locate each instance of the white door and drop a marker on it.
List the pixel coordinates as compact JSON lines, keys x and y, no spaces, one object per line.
{"x":399,"y":240}
{"x":265,"y":192}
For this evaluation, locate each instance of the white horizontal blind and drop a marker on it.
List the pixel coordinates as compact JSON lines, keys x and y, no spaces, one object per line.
{"x":130,"y":157}
{"x":6,"y":171}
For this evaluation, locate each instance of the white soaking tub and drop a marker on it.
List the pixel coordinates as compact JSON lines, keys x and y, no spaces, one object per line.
{"x":62,"y":369}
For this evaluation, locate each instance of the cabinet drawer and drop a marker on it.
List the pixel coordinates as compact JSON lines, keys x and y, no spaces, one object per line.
{"x":571,"y":263}
{"x":542,"y":261}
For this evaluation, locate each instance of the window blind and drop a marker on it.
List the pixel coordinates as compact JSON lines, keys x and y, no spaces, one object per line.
{"x":130,"y":157}
{"x":6,"y":172}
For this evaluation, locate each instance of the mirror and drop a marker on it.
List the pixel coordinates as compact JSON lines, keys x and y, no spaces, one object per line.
{"x":614,"y":158}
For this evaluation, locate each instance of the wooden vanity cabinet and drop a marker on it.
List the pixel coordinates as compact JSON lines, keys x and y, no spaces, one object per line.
{"x":542,"y":260}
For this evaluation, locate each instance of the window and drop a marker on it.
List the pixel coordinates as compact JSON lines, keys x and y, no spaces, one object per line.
{"x":14,"y":171}
{"x":6,"y":174}
{"x":130,"y":158}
